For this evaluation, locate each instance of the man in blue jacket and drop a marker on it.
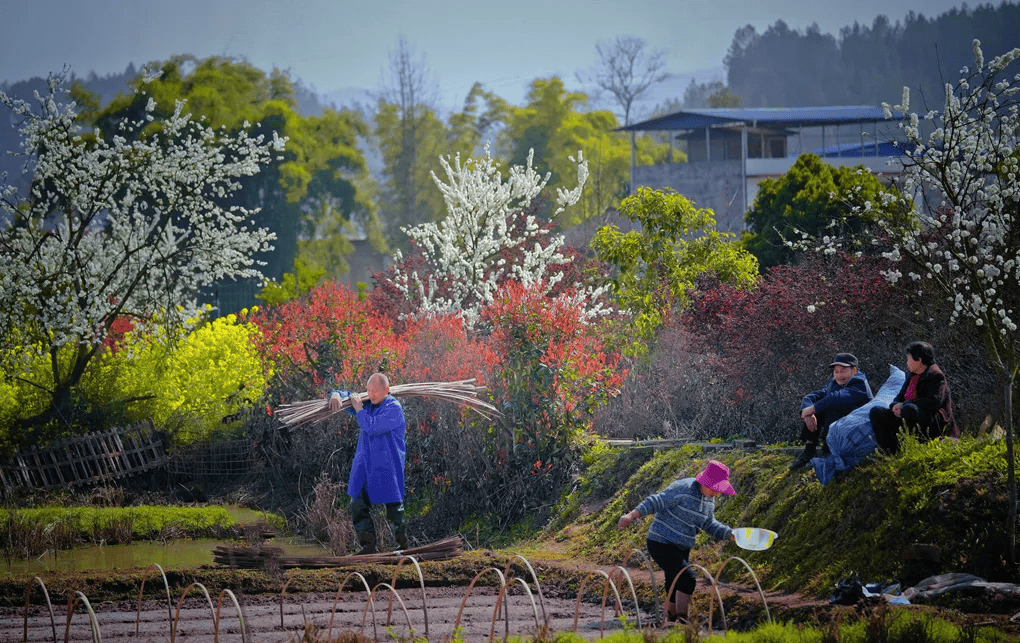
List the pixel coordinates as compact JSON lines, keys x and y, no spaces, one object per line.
{"x":847,"y":390}
{"x":377,"y":473}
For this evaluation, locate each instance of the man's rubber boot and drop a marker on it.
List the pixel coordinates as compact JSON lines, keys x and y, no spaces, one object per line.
{"x":401,"y":541}
{"x":804,"y":458}
{"x":367,"y":542}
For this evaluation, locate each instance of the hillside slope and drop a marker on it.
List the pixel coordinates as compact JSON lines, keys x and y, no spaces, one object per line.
{"x":935,"y":508}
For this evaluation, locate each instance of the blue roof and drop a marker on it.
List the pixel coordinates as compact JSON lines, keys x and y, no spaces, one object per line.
{"x":761,"y":116}
{"x":852,"y":150}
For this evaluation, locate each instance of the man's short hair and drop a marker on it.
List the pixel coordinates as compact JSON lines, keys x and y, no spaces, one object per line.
{"x":380,"y":377}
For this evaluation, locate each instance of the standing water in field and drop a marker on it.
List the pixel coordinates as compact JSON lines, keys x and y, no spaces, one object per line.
{"x":178,"y":553}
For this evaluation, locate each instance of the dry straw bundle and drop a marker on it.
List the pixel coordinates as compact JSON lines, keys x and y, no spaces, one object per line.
{"x":463,"y":392}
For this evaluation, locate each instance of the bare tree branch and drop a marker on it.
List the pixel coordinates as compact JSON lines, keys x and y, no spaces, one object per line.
{"x":627,"y":70}
{"x":410,"y":89}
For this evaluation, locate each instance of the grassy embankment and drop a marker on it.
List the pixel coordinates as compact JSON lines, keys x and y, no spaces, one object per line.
{"x":950,"y":494}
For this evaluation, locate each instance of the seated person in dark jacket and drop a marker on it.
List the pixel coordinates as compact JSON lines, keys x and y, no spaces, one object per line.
{"x":847,"y":390}
{"x":923,"y":404}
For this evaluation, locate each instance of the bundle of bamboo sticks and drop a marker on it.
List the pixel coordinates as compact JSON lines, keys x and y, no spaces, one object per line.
{"x":464,"y":392}
{"x":257,"y":558}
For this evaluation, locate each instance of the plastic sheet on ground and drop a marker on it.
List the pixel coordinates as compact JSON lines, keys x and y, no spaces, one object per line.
{"x":850,"y":438}
{"x":956,"y":581}
{"x":925,"y":590}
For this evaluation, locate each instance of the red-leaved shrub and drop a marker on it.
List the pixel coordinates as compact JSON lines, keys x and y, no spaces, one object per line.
{"x":329,"y":339}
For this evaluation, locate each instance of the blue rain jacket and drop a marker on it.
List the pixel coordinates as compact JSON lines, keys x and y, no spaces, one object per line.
{"x":379,"y":458}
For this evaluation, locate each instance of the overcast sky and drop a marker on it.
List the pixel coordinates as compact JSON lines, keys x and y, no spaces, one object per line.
{"x":336,"y":44}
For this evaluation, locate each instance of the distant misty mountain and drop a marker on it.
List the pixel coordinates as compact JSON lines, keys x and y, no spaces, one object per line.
{"x":363,"y":100}
{"x":105,"y":87}
{"x":353,"y":98}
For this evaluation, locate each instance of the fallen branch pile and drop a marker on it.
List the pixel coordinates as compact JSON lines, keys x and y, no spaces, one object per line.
{"x":260,"y":557}
{"x":463,"y":392}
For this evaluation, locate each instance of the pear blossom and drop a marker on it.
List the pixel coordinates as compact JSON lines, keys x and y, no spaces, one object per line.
{"x":125,"y":226}
{"x":969,"y":234}
{"x":466,"y":251}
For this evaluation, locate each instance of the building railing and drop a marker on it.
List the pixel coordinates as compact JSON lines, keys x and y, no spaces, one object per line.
{"x":780,"y":166}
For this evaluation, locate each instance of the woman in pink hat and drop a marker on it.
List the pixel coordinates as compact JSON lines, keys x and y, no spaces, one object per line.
{"x":681,"y":509}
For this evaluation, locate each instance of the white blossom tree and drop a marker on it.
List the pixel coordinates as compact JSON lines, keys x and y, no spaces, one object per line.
{"x":964,"y":175}
{"x":486,"y":237}
{"x":126,"y":227}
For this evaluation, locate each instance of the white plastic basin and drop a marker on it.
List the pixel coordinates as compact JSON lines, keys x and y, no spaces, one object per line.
{"x":754,"y":538}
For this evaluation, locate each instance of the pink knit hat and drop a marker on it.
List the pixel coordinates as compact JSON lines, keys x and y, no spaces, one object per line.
{"x":716,"y":476}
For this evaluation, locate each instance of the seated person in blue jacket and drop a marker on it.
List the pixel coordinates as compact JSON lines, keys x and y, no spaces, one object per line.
{"x":923,"y":404}
{"x":681,"y":509}
{"x":847,"y":390}
{"x":377,"y":473}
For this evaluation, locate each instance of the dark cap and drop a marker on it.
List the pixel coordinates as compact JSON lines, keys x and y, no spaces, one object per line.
{"x":844,"y":359}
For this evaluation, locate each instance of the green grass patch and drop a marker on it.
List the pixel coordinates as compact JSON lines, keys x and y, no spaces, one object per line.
{"x":879,"y":627}
{"x":146,"y":522}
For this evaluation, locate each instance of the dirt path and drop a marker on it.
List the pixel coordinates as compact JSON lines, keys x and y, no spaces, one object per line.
{"x":435,"y":616}
{"x":263,"y":621}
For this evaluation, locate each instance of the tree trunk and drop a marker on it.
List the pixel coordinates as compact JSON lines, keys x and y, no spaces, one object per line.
{"x":1010,"y":469}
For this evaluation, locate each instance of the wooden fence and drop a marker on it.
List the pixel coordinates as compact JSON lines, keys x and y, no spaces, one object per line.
{"x":85,"y":460}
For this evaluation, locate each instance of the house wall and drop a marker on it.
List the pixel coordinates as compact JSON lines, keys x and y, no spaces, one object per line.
{"x":717,"y":185}
{"x":364,"y":261}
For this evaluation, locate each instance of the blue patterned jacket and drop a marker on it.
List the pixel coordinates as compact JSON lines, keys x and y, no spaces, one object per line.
{"x":680,"y":511}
